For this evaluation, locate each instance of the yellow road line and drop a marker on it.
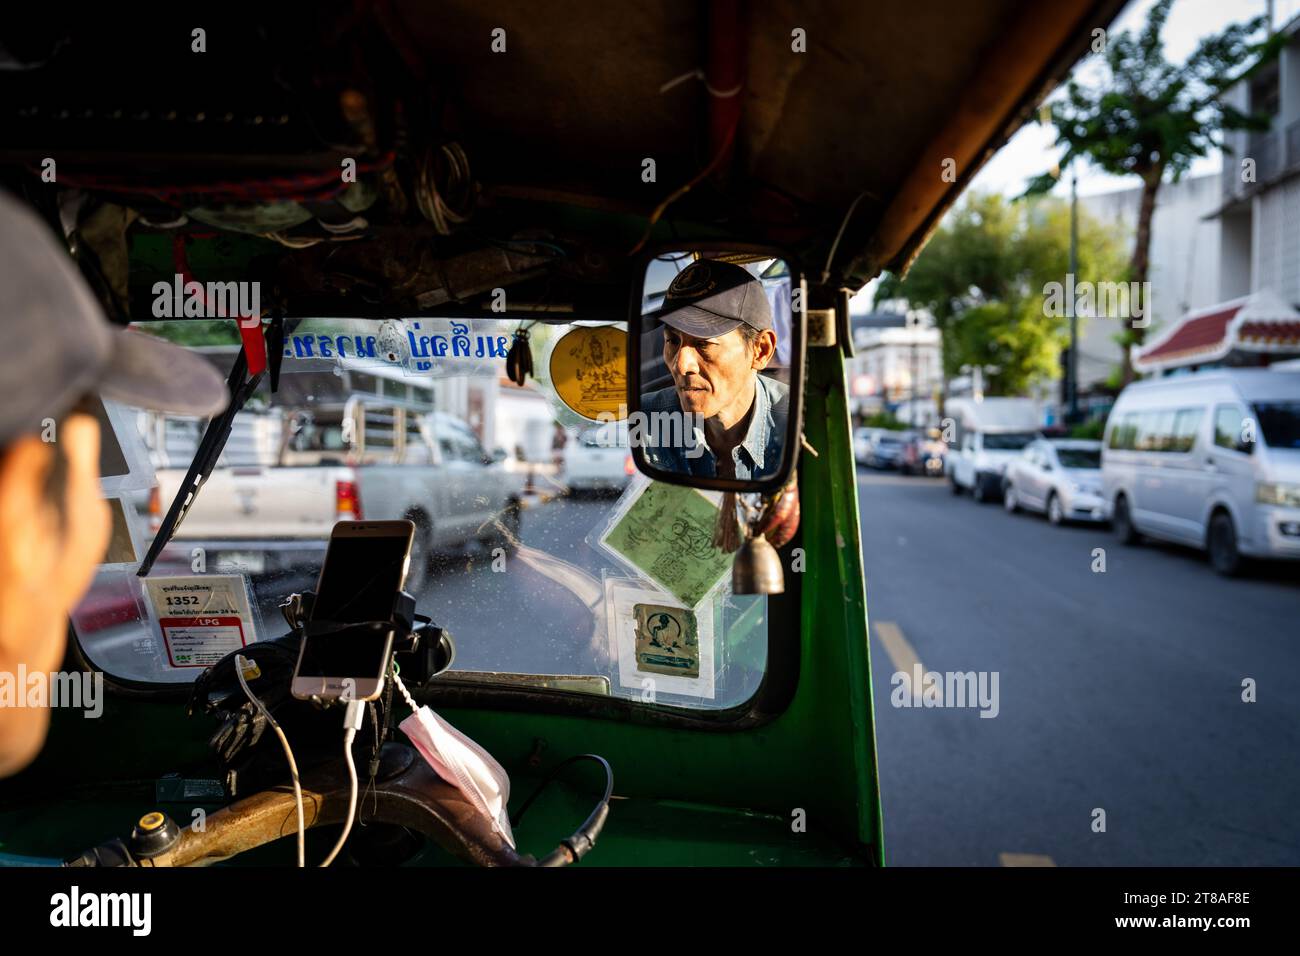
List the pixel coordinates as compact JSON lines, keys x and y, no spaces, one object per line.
{"x":901,"y":654}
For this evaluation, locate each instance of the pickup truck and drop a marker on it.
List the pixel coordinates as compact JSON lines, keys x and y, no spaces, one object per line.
{"x":287,"y":476}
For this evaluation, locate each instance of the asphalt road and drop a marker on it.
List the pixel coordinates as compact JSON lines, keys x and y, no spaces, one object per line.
{"x":1118,"y":691}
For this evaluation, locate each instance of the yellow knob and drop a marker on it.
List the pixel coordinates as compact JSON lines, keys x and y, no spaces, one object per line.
{"x":151,"y":821}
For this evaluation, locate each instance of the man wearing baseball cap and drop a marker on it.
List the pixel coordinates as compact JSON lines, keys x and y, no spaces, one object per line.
{"x":59,"y":351}
{"x":718,"y":336}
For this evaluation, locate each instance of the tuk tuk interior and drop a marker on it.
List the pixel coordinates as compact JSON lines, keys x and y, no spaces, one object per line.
{"x":549,"y":157}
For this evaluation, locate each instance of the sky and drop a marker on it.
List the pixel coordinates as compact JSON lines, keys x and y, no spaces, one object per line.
{"x":1030,"y":151}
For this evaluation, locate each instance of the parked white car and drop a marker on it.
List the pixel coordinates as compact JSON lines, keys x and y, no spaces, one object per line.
{"x":1209,"y":459}
{"x":599,"y":460}
{"x":1060,"y":478}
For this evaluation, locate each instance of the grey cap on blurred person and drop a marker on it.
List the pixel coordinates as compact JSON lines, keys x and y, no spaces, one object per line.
{"x":58,"y":346}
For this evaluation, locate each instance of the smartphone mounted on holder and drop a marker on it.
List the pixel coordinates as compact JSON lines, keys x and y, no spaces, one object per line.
{"x":348,"y":639}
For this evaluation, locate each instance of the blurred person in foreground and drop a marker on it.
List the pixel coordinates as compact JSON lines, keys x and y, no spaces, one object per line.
{"x":59,"y":353}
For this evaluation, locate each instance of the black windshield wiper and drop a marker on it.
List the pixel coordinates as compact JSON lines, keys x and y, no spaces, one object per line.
{"x":241,"y":387}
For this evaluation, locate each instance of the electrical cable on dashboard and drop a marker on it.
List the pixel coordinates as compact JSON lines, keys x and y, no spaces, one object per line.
{"x":242,"y":662}
{"x":353,"y":717}
{"x":576,"y":846}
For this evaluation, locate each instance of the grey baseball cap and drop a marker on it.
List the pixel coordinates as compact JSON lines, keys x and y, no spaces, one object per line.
{"x":711,"y":297}
{"x":59,"y":346}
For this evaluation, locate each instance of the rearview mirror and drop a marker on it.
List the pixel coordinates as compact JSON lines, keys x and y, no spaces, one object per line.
{"x":715,"y":360}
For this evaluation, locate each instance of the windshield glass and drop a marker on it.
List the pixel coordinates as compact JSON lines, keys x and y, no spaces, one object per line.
{"x":1280,"y":423}
{"x":1007,"y":441}
{"x":612,"y":435}
{"x":1079,"y":457}
{"x":416,"y":419}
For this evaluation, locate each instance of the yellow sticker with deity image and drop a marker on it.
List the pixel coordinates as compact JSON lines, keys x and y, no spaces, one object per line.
{"x":589,"y":371}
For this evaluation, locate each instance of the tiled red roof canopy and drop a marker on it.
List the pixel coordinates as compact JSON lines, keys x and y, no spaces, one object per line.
{"x":1278,"y":333}
{"x":1197,"y":335}
{"x":1259,"y":323}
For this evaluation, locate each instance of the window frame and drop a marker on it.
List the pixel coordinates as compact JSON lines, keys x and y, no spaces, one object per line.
{"x":772,"y":697}
{"x":1197,"y":413}
{"x":1238,"y":447}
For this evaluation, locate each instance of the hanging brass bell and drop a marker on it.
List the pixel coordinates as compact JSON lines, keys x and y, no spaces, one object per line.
{"x":757,"y":568}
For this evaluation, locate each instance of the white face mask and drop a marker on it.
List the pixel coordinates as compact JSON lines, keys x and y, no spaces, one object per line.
{"x":463,"y":764}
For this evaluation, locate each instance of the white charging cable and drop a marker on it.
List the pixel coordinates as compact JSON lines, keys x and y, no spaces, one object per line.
{"x":242,"y":662}
{"x":353,"y":717}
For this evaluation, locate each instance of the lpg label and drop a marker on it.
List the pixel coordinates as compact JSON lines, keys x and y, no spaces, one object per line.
{"x":203,"y":618}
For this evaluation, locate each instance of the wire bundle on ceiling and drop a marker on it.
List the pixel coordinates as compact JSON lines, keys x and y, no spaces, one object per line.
{"x":313,"y":186}
{"x":444,"y":192}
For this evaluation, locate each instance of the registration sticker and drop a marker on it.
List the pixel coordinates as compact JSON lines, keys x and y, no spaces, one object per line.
{"x":200,"y":641}
{"x":203,"y":617}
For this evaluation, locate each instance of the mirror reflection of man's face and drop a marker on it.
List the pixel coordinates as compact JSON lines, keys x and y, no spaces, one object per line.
{"x":715,"y":377}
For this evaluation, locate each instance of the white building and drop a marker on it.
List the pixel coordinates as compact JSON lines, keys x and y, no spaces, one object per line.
{"x":896,"y":361}
{"x":1252,"y":317}
{"x":1184,"y":264}
{"x":1260,"y":199}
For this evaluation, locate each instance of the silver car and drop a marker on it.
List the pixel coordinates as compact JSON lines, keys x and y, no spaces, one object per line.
{"x":1058,"y":477}
{"x":863,"y":439}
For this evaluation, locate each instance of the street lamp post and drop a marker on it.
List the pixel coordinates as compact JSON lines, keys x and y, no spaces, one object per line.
{"x":1073,"y":372}
{"x":914,"y":325}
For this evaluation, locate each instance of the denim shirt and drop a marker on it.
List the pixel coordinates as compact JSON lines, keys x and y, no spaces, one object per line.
{"x":757,"y":456}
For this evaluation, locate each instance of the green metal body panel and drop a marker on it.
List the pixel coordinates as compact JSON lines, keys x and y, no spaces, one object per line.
{"x":801,"y":788}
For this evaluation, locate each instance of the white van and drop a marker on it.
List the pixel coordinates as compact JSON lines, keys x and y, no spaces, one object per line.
{"x":987,"y":436}
{"x":1210,"y":459}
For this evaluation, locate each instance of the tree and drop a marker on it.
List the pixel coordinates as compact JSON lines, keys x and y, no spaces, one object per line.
{"x":195,"y":332}
{"x":1150,"y":118}
{"x":984,"y":275}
